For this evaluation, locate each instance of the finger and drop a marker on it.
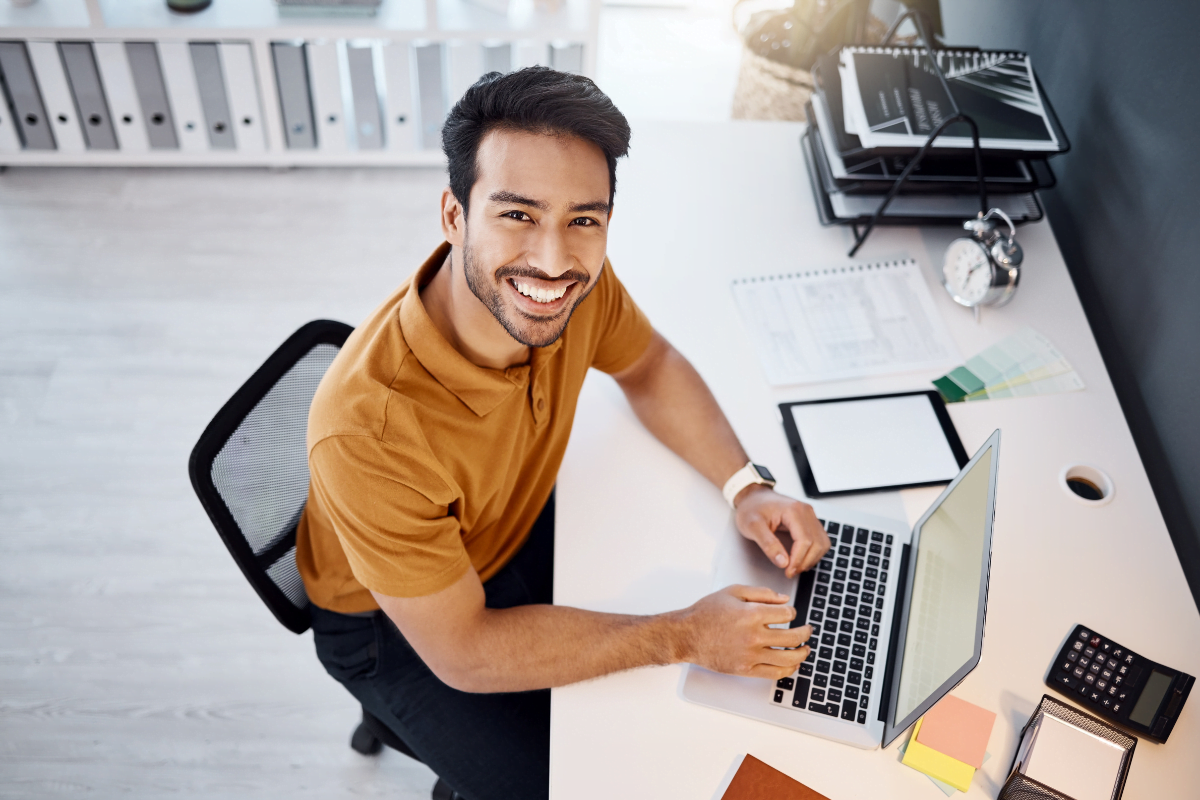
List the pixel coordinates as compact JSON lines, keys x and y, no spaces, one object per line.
{"x":775,"y":614}
{"x":757,"y":530}
{"x":769,"y":671}
{"x":809,"y":540}
{"x":757,"y":594}
{"x":783,"y":658}
{"x":785,"y":637}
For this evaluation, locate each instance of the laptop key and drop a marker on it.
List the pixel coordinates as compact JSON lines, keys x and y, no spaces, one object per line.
{"x":822,"y":666}
{"x":849,"y":711}
{"x":779,"y":695}
{"x":801,"y":693}
{"x":806,"y":668}
{"x":839,"y":667}
{"x":820,"y":709}
{"x":843,"y":653}
{"x":837,"y":681}
{"x":847,"y":626}
{"x":856,"y":664}
{"x":862,"y":718}
{"x":854,"y":677}
{"x":861,"y":637}
{"x":834,"y":695}
{"x":785,"y":684}
{"x":833,"y":527}
{"x":828,"y":639}
{"x":851,"y":692}
{"x":863,"y":533}
{"x":821,"y":680}
{"x":826,"y":652}
{"x":888,"y":540}
{"x":859,"y":650}
{"x":871,"y":657}
{"x":864,"y":701}
{"x":818,"y":695}
{"x":831,"y":709}
{"x":876,"y":536}
{"x":874,"y":644}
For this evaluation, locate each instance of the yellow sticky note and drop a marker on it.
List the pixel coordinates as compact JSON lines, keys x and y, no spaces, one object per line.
{"x":937,"y":765}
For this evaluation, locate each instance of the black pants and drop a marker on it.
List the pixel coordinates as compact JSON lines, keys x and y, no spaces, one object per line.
{"x":483,"y":745}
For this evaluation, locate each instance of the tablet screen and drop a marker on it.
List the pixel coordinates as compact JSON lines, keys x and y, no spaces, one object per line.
{"x":873,"y":442}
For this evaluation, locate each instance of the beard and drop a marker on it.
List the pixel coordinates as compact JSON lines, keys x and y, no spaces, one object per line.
{"x":528,"y":329}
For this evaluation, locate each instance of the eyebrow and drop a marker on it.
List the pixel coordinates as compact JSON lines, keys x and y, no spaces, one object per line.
{"x":541,"y":205}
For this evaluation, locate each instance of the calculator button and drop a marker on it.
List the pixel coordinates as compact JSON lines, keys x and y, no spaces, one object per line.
{"x":1095,"y":667}
{"x":1066,"y":680}
{"x":1087,"y":651}
{"x":1106,"y":702}
{"x":1129,"y":658}
{"x":1090,"y":678}
{"x":1072,"y":655}
{"x":1066,"y":666}
{"x":1084,"y":635}
{"x":1077,"y":646}
{"x":1122,"y":695}
{"x":1106,"y":674}
{"x":1117,"y":681}
{"x":1112,"y":690}
{"x":1118,"y":653}
{"x":879,"y":603}
{"x":785,"y":683}
{"x":844,"y":550}
{"x":779,"y":695}
{"x":1116,"y":708}
{"x":1085,"y":663}
{"x":1083,"y":688}
{"x":1102,"y":684}
{"x":1094,"y":696}
{"x":1111,"y":663}
{"x":1094,"y":641}
{"x":1106,"y":646}
{"x":1079,"y":672}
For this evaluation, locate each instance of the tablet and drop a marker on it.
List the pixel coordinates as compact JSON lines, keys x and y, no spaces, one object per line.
{"x":872,"y":444}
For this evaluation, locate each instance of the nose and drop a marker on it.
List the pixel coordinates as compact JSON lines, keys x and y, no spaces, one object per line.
{"x":550,"y":252}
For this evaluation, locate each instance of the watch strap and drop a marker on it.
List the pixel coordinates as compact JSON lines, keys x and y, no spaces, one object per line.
{"x":744,"y":477}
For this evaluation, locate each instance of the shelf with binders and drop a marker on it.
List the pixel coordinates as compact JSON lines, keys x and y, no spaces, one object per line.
{"x":291,"y":102}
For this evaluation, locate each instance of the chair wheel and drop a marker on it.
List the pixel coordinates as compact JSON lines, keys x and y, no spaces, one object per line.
{"x":443,"y":792}
{"x":363,"y":741}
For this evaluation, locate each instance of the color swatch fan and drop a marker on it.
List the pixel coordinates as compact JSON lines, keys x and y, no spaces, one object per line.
{"x":1022,"y":365}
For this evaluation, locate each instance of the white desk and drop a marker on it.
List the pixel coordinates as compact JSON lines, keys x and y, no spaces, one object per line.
{"x":698,"y":205}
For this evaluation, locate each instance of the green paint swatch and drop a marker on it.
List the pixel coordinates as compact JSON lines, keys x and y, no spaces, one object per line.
{"x":1022,"y":365}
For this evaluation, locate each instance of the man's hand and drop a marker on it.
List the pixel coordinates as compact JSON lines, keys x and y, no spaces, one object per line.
{"x":761,"y":512}
{"x":727,"y":632}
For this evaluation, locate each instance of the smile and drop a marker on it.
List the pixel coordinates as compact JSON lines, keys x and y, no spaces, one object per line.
{"x":539,"y":295}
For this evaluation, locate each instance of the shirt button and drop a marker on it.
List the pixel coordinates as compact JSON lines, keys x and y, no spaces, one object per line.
{"x":541,"y":404}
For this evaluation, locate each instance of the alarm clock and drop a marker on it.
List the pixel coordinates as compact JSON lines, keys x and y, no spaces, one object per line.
{"x":984,"y":268}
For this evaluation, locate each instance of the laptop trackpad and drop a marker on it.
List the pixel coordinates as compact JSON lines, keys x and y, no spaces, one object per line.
{"x":740,"y":560}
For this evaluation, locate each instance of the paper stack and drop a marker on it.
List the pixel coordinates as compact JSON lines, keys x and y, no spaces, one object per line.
{"x":950,"y":742}
{"x":1022,"y":365}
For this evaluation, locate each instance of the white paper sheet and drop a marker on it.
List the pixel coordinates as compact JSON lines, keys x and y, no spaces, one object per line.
{"x":844,"y":322}
{"x":1072,"y":761}
{"x":866,"y":444}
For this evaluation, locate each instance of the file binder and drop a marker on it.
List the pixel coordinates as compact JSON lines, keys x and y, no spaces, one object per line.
{"x":147,"y":74}
{"x":210,"y":83}
{"x":397,"y":77}
{"x":567,"y":57}
{"x":497,"y":57}
{"x":532,"y":54}
{"x":295,"y":102}
{"x":91,"y":106}
{"x":10,"y":140}
{"x":325,"y":78}
{"x":180,"y":79}
{"x":117,"y":80}
{"x":368,"y":128}
{"x":431,"y":93}
{"x":241,"y":86}
{"x":56,"y":94}
{"x":466,"y":65}
{"x":24,"y":99}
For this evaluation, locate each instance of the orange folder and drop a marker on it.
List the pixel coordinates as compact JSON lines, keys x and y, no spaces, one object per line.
{"x":758,"y":781}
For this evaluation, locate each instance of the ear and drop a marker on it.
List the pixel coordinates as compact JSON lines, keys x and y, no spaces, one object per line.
{"x":454,"y":219}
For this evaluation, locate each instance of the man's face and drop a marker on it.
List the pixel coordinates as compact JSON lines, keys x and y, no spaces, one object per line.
{"x":537,"y":230}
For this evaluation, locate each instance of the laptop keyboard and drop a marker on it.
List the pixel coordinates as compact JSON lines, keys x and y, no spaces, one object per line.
{"x":843,"y":600}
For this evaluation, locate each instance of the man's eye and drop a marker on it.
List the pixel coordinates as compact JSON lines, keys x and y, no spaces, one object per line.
{"x":583,"y":221}
{"x":518,"y":215}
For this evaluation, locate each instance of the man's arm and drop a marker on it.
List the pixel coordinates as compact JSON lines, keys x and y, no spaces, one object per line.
{"x":477,"y":649}
{"x":674,"y":403}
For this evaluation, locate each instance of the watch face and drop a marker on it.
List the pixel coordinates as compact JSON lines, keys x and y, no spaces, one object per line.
{"x":764,"y":473}
{"x":967,"y":271}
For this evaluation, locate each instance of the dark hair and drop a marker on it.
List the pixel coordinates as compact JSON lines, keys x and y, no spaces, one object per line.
{"x":536,"y":100}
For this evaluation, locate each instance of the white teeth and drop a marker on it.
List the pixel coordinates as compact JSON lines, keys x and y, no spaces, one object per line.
{"x":540,"y":295}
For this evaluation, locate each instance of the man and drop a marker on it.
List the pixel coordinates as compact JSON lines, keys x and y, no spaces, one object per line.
{"x":434,"y":440}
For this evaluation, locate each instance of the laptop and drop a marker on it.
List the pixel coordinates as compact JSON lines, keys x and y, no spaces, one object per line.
{"x":897,"y":616}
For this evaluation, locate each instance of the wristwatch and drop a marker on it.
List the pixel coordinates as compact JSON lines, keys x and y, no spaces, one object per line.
{"x":751,"y":473}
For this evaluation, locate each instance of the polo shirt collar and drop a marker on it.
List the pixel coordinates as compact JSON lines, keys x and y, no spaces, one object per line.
{"x":479,"y":388}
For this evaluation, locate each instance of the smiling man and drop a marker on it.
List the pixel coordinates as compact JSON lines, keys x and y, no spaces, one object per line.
{"x":435,"y":439}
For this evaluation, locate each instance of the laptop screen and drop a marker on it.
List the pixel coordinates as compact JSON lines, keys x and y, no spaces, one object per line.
{"x":942,"y":632}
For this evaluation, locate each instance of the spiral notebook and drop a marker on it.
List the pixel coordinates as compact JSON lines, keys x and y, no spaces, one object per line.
{"x":844,"y":322}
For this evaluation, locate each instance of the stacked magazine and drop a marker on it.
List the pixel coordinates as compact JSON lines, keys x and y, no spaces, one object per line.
{"x":873,"y":108}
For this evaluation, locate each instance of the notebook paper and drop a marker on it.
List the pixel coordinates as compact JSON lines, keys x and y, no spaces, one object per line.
{"x":843,"y":322}
{"x":1072,"y":761}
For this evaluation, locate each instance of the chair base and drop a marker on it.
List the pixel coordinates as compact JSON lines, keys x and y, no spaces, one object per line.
{"x":364,"y":742}
{"x":371,"y":735}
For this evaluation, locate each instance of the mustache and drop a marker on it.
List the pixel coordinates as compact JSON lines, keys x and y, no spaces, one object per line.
{"x":513,"y":271}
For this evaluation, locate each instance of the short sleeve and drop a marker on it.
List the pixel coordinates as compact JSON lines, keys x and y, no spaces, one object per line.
{"x":623,"y":331}
{"x":390,"y":515}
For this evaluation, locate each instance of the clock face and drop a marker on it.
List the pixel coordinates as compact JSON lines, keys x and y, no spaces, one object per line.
{"x":967,"y":271}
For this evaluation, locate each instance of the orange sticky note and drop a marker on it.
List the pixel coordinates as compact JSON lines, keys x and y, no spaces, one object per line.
{"x":958,"y":729}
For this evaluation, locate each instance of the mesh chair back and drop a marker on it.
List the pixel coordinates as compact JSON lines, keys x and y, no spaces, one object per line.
{"x":250,"y":466}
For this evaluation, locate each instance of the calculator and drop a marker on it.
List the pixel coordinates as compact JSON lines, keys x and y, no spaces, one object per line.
{"x":1119,"y":685}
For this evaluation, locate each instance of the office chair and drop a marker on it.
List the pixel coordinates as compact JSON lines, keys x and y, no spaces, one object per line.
{"x":250,"y":471}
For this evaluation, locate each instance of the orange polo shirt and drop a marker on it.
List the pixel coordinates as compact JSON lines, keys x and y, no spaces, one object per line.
{"x":425,"y":465}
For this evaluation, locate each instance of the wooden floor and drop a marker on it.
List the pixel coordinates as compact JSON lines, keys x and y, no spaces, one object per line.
{"x":135,"y":661}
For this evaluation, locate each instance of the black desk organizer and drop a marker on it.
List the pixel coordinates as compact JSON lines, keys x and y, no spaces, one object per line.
{"x":1019,"y":787}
